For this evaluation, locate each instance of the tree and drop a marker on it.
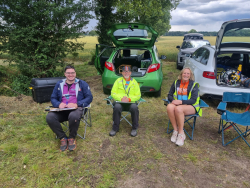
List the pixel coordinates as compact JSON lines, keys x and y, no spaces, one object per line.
{"x":104,"y":13}
{"x":92,"y":33}
{"x":38,"y":34}
{"x":192,"y":31}
{"x":154,"y":13}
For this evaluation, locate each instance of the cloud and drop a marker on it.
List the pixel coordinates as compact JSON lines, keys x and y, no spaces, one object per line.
{"x":204,"y":15}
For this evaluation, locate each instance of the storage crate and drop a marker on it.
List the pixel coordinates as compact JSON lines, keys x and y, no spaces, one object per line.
{"x":42,"y":88}
{"x":145,"y":63}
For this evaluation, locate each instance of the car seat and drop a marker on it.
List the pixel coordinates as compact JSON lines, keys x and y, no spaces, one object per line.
{"x":126,"y":53}
{"x":234,"y":61}
{"x":146,"y":55}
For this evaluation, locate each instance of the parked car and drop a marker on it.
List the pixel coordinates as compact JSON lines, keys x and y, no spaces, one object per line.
{"x":225,"y":67}
{"x":191,"y":42}
{"x":134,"y":46}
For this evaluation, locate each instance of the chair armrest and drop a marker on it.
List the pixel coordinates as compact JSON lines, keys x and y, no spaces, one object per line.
{"x":221,"y":108}
{"x":141,"y":100}
{"x":166,"y":101}
{"x":89,"y":106}
{"x":47,"y":108}
{"x":203,"y":104}
{"x":109,"y":99}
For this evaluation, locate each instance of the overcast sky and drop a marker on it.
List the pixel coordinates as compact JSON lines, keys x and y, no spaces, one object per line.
{"x":203,"y":15}
{"x":207,"y":15}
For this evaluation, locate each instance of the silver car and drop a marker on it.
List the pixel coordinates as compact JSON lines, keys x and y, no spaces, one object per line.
{"x":225,"y":67}
{"x":191,"y":42}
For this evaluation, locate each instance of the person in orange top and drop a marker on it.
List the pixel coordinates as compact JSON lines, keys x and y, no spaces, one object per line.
{"x":181,"y":104}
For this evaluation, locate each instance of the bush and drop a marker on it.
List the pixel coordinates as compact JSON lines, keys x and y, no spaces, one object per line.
{"x":21,"y":84}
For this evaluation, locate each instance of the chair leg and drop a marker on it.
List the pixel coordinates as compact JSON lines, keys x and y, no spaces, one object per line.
{"x":168,"y":128}
{"x":66,"y":125}
{"x":124,"y":117}
{"x":87,"y":118}
{"x":192,"y":126}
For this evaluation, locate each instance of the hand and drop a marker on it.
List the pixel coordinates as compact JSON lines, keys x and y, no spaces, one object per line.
{"x":62,"y":105}
{"x":125,"y":99}
{"x":72,"y":105}
{"x":177,"y":102}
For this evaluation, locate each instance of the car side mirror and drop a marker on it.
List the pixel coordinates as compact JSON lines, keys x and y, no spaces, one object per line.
{"x":178,"y":47}
{"x":188,"y":55}
{"x":162,"y":57}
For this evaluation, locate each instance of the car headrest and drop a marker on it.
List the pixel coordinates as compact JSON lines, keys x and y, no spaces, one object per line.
{"x":126,"y":53}
{"x":146,"y":55}
{"x":235,"y":56}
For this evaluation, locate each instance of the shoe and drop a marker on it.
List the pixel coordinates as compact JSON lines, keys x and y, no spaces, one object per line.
{"x":112,"y":133}
{"x":133,"y":132}
{"x":174,"y":136}
{"x":64,"y":144}
{"x":180,"y":139}
{"x":72,"y":144}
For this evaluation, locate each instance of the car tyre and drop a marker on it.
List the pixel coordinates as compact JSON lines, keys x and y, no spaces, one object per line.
{"x":106,"y":91}
{"x":178,"y":66}
{"x":157,"y":93}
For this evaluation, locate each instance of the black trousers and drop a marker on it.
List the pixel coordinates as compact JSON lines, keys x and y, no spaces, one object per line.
{"x":117,"y":111}
{"x":73,"y":116}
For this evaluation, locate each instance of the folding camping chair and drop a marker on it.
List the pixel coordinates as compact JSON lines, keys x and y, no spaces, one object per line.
{"x":86,"y":119}
{"x":110,"y":101}
{"x":230,"y":119}
{"x":187,"y":118}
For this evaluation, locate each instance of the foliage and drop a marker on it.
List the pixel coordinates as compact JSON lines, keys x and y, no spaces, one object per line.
{"x":243,"y":32}
{"x":192,"y":31}
{"x":153,"y":13}
{"x":104,"y":13}
{"x":34,"y":33}
{"x":182,"y":33}
{"x":92,"y":33}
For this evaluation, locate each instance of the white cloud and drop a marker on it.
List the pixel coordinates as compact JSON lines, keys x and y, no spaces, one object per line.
{"x":205,"y":15}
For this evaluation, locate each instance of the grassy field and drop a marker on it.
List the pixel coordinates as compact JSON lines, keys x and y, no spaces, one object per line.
{"x":30,"y":154}
{"x":166,"y":46}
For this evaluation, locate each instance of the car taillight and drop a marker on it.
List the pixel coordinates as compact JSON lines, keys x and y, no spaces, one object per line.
{"x":210,"y":75}
{"x":153,"y":67}
{"x":109,"y":66}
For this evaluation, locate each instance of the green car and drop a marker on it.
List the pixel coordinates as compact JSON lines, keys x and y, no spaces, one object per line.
{"x":134,"y":47}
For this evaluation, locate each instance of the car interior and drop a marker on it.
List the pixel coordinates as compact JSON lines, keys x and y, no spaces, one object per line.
{"x":233,"y":69}
{"x":139,"y":60}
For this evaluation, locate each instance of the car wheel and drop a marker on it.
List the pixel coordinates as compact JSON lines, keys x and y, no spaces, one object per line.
{"x":157,"y":93}
{"x":106,"y":91}
{"x":178,"y":66}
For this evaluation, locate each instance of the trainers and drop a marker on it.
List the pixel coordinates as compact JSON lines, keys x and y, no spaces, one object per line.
{"x":133,"y":132}
{"x":64,"y":144}
{"x":72,"y":144}
{"x":112,"y":133}
{"x":180,"y":139}
{"x":174,"y":136}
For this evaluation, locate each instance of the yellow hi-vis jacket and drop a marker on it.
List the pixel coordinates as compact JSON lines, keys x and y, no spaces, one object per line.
{"x":196,"y":104}
{"x":133,"y":90}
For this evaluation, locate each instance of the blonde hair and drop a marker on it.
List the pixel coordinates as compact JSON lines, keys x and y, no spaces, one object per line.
{"x":191,"y":74}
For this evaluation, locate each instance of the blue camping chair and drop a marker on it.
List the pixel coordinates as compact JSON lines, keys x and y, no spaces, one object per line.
{"x":230,"y":119}
{"x":110,"y":101}
{"x":187,"y":118}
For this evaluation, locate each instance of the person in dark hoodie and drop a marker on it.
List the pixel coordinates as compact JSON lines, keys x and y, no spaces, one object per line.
{"x":68,"y":93}
{"x":184,"y":98}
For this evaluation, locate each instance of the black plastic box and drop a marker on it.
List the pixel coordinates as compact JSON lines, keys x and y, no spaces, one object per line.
{"x":42,"y":88}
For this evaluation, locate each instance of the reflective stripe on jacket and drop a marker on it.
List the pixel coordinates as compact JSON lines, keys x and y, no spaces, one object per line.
{"x":196,"y":104}
{"x":133,"y":90}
